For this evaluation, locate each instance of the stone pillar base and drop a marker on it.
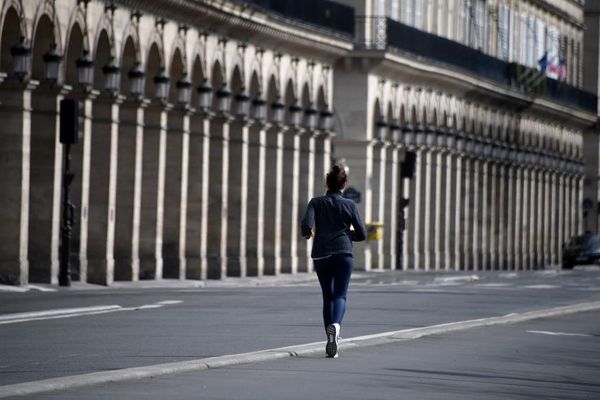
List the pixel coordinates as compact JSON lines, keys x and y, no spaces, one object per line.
{"x":13,"y":272}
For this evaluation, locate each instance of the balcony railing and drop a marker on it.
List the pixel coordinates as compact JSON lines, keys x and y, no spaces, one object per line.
{"x":322,"y":14}
{"x":381,"y":33}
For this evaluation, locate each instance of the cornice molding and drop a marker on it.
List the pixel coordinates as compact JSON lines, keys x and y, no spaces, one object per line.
{"x":240,"y":21}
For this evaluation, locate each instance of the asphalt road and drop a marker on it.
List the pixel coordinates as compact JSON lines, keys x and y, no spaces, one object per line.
{"x":194,"y":323}
{"x":555,"y":358}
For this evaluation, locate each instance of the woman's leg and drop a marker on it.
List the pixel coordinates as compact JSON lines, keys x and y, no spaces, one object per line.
{"x":325,"y":274}
{"x":342,"y":267}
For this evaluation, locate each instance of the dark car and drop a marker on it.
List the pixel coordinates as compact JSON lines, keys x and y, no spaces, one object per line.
{"x":584,"y":249}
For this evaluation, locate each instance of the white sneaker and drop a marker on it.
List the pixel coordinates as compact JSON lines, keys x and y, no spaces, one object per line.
{"x":333,"y":337}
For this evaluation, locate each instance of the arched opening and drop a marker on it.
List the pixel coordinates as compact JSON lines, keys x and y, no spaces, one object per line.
{"x":154,"y":64}
{"x":102,"y":57}
{"x":217,"y":204}
{"x":177,"y":72}
{"x":254,"y":187}
{"x":129,"y":59}
{"x":44,"y":180}
{"x":150,"y":168}
{"x":10,"y":36}
{"x":173,"y":176}
{"x":74,"y":50}
{"x":198,"y":158}
{"x":42,"y":42}
{"x":238,"y":147}
{"x":99,"y":211}
{"x":270,"y":217}
{"x":290,"y":201}
{"x":128,"y":130}
{"x":306,"y":188}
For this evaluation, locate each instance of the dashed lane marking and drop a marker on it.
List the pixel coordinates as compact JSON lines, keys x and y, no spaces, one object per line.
{"x":559,"y":333}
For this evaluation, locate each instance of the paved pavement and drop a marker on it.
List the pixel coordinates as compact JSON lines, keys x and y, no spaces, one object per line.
{"x":179,"y":322}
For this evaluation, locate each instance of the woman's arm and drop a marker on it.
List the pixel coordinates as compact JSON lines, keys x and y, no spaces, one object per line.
{"x":360,"y":232}
{"x":308,"y":221}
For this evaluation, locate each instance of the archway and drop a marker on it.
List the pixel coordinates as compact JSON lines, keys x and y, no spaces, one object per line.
{"x":217,"y":204}
{"x":149,"y":264}
{"x":198,"y":156}
{"x":237,"y":182}
{"x":272,"y":221}
{"x":173,"y":174}
{"x":126,"y":171}
{"x":45,"y":172}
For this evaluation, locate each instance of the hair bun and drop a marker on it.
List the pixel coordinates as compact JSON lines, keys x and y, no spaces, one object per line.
{"x":336,"y":169}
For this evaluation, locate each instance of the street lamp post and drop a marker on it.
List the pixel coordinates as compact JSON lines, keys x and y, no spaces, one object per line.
{"x":69,"y":134}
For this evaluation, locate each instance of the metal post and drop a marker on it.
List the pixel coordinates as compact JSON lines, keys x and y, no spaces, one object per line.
{"x":64,"y":274}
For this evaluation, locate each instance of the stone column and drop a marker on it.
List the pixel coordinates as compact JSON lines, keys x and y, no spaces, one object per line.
{"x":533,"y":220}
{"x":579,"y":203}
{"x":256,"y":199}
{"x":152,"y":191}
{"x":509,"y":217}
{"x":428,"y":209}
{"x":498,"y":220}
{"x":216,"y":251}
{"x":438,"y":222}
{"x":15,"y":114}
{"x":296,"y":205}
{"x":494,"y":187}
{"x":299,"y":188}
{"x":526,"y":220}
{"x":392,"y":202}
{"x":310,"y":189}
{"x":449,"y":211}
{"x":197,"y":193}
{"x":237,"y":211}
{"x":273,"y":191}
{"x":418,"y":203}
{"x":45,"y":202}
{"x":129,"y":173}
{"x":518,"y":224}
{"x":102,"y":190}
{"x":546,"y":249}
{"x":552,"y":228}
{"x":542,"y":210}
{"x":381,"y":185}
{"x":184,"y":191}
{"x":484,"y":252}
{"x":567,"y":208}
{"x":560,"y":212}
{"x":466,"y":244}
{"x":459,"y":207}
{"x":175,"y":193}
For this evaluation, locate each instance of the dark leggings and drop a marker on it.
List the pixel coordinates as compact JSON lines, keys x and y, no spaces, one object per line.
{"x":334,"y":276}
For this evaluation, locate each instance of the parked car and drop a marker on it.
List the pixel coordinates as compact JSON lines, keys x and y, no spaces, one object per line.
{"x":584,"y":249}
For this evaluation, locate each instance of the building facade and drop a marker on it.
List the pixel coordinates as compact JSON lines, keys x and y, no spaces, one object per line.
{"x":486,"y":96}
{"x":207,"y":126}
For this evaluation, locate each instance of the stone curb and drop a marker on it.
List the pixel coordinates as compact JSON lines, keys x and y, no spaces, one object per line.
{"x":76,"y":381}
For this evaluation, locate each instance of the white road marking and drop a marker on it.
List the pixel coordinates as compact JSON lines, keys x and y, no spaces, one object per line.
{"x":559,"y":333}
{"x":540,"y":286}
{"x":493,"y":285}
{"x":18,"y":317}
{"x":76,"y":312}
{"x":147,"y":307}
{"x":41,"y":288}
